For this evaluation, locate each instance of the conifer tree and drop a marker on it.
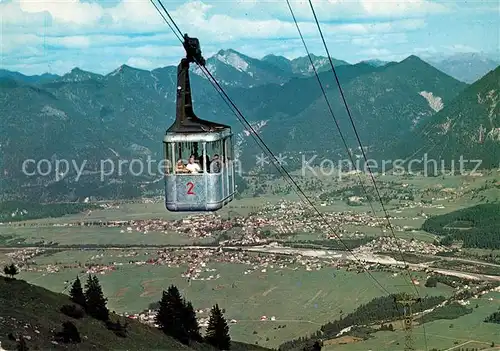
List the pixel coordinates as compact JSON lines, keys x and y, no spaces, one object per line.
{"x":170,"y":315}
{"x":190,"y":322}
{"x":21,"y":345}
{"x":11,"y":270}
{"x":317,"y":346}
{"x":76,"y":293}
{"x":95,"y":302}
{"x":217,"y":333}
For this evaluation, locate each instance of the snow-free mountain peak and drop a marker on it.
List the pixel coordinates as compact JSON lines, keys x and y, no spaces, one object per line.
{"x":79,"y":75}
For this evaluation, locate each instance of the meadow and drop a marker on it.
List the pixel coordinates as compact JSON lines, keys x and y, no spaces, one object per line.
{"x":302,"y":300}
{"x":73,"y":235}
{"x":133,"y":211}
{"x":97,"y":236}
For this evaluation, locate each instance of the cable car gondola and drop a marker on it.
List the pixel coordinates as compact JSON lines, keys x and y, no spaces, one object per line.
{"x":206,"y":182}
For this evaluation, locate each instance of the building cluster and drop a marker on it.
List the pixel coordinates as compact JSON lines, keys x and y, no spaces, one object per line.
{"x":202,"y":315}
{"x":289,"y":217}
{"x":391,"y":244}
{"x":24,"y":256}
{"x":197,"y":262}
{"x":284,"y":218}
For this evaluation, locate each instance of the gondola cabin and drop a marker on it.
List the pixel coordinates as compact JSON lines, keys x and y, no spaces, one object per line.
{"x":199,"y":171}
{"x":199,"y":161}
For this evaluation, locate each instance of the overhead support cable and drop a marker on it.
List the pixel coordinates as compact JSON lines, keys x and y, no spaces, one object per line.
{"x":263,"y":145}
{"x":331,"y":112}
{"x":364,"y":154}
{"x":329,"y":105}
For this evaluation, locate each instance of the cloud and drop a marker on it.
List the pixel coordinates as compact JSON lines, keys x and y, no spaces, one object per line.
{"x":65,"y":11}
{"x":459,"y":48}
{"x":331,"y":10}
{"x":61,"y":34}
{"x":140,"y":62}
{"x":375,"y":53}
{"x":72,"y":42}
{"x":196,"y":18}
{"x":35,"y":25}
{"x":380,"y":39}
{"x":392,"y":8}
{"x":432,"y":51}
{"x":72,"y":17}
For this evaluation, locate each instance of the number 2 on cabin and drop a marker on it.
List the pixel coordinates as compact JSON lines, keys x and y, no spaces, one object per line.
{"x":190,"y":187}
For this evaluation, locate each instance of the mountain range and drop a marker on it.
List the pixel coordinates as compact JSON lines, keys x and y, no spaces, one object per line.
{"x":233,"y":68}
{"x":466,"y":67}
{"x":124,"y":114}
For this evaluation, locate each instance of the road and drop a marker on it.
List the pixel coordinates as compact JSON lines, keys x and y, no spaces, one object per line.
{"x":367,"y":257}
{"x":99,"y":247}
{"x":459,"y":259}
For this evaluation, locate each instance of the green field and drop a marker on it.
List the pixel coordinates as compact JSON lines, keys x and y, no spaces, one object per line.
{"x":108,"y":236}
{"x":131,"y":211}
{"x":98,"y":235}
{"x":302,"y":300}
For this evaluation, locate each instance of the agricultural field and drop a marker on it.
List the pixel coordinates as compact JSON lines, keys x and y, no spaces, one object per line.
{"x":302,"y":300}
{"x":133,"y":211}
{"x":95,"y":236}
{"x":295,"y":301}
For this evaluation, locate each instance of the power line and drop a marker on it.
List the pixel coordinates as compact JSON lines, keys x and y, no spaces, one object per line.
{"x":363,"y":151}
{"x":168,"y":14}
{"x":161,"y":14}
{"x":276,"y":164}
{"x":355,"y":130}
{"x":328,"y":104}
{"x":179,"y":37}
{"x":330,"y":108}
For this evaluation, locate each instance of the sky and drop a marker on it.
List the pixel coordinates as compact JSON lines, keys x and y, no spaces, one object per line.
{"x":38,"y":36}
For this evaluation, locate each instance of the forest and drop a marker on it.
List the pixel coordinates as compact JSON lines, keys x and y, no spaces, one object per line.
{"x":476,"y":227}
{"x":493,"y":318}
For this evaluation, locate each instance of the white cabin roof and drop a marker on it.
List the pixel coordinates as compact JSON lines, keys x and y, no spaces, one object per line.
{"x":196,"y":137}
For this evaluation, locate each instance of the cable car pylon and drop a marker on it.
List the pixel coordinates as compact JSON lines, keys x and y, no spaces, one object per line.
{"x":407,"y":302}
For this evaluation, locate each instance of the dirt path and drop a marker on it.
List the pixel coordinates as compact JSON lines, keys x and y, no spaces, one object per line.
{"x":121,"y":292}
{"x":149,"y":290}
{"x":313,"y":298}
{"x":268,"y":291}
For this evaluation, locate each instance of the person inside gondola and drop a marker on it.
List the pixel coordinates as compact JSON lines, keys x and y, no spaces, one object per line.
{"x":181,"y":167}
{"x":215,"y":164}
{"x":192,"y":166}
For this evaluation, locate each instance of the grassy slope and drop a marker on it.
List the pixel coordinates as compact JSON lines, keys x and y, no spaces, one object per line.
{"x":26,"y":308}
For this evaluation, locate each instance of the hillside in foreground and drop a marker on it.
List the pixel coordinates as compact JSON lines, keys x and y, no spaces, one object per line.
{"x":34,"y":313}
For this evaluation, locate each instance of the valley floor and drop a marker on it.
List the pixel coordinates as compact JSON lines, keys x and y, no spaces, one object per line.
{"x":270,"y":293}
